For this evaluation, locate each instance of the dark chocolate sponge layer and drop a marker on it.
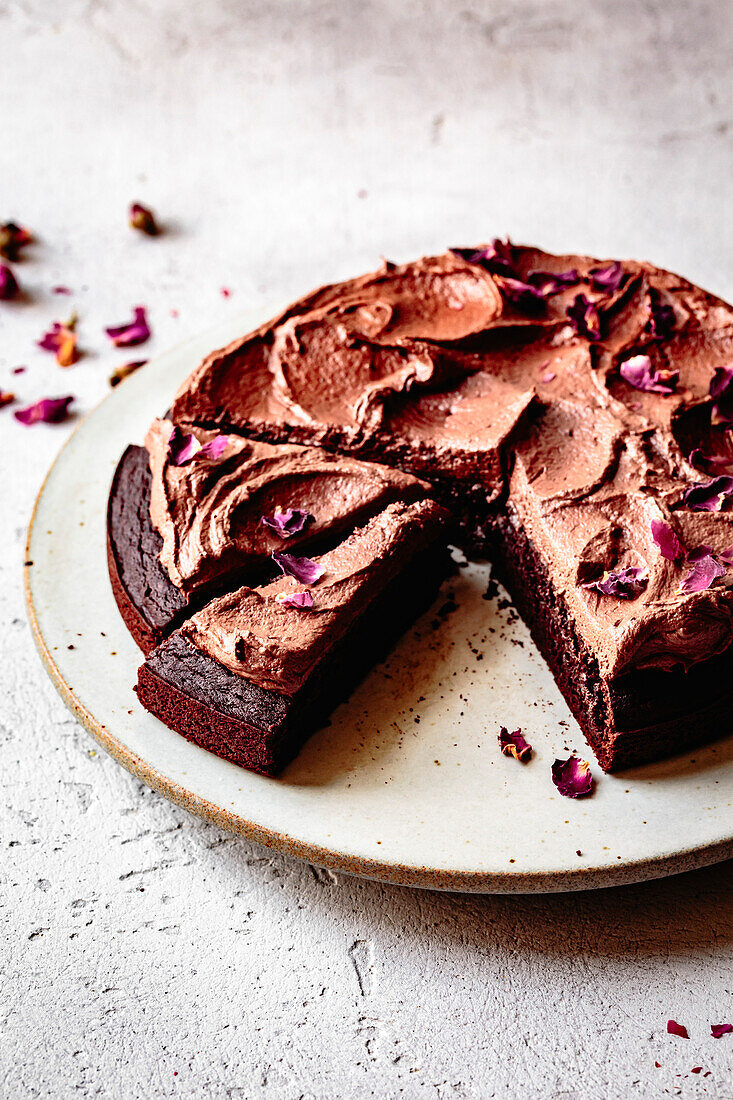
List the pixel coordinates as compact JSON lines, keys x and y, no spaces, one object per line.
{"x":263,"y":730}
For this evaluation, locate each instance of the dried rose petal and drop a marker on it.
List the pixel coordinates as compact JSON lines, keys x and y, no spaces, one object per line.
{"x":706,"y":568}
{"x":12,"y":239}
{"x":721,"y":391}
{"x":550,"y":283}
{"x":226,"y":292}
{"x":134,"y":332}
{"x":514,"y":744}
{"x":498,"y":257}
{"x":8,"y":284}
{"x":584,"y":317}
{"x":125,"y":371}
{"x":301,"y":600}
{"x":624,"y":584}
{"x":607,"y":279}
{"x":662,"y":319}
{"x":61,"y":290}
{"x":638,"y":372}
{"x":667,"y":540}
{"x":708,"y":496}
{"x":143,"y":219}
{"x":303,"y":569}
{"x":719,"y":1030}
{"x":572,"y":777}
{"x":61,"y":340}
{"x":6,"y":398}
{"x":183,"y":448}
{"x":287,"y":522}
{"x":710,"y":463}
{"x":521,"y":295}
{"x":49,"y":410}
{"x":673,"y":1028}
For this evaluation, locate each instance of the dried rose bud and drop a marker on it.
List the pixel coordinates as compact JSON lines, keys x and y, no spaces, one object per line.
{"x":13,"y":238}
{"x":143,"y":219}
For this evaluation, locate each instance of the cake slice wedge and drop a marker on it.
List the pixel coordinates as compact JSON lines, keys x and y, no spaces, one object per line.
{"x":253,"y":673}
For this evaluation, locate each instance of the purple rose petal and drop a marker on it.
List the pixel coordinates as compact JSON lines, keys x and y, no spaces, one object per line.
{"x":61,"y":290}
{"x":183,"y":448}
{"x":8,"y":284}
{"x":624,"y":584}
{"x":708,"y":496}
{"x":719,"y":1030}
{"x":287,"y":522}
{"x":673,"y":1028}
{"x":572,"y":777}
{"x":710,"y":463}
{"x":61,"y":340}
{"x":706,"y":568}
{"x":721,"y":391}
{"x":666,"y":539}
{"x":607,"y":280}
{"x":498,"y":257}
{"x":662,"y":319}
{"x":514,"y":744}
{"x":134,"y":332}
{"x":521,"y":295}
{"x":584,"y":317}
{"x":143,"y":219}
{"x":49,"y":410}
{"x":13,"y":238}
{"x":304,"y":570}
{"x":301,"y":600}
{"x":550,"y":283}
{"x":638,"y":372}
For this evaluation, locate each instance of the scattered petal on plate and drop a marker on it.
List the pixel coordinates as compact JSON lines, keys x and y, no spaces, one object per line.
{"x":125,"y":371}
{"x":607,"y":279}
{"x":143,"y":219}
{"x":61,"y":340}
{"x":673,"y":1028}
{"x":638,"y":372}
{"x":514,"y":744}
{"x":226,"y":292}
{"x":288,"y":521}
{"x":8,"y":283}
{"x":301,"y":600}
{"x":61,"y":290}
{"x":572,"y":777}
{"x":624,"y":584}
{"x":708,"y":496}
{"x":13,"y":238}
{"x":49,"y":410}
{"x":667,"y":540}
{"x":6,"y":398}
{"x":706,"y":568}
{"x":584,"y":317}
{"x":303,"y":569}
{"x":719,"y":1030}
{"x":132,"y":333}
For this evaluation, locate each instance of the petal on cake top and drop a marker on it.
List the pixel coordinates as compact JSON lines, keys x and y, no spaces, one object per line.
{"x":302,"y":600}
{"x":608,"y":279}
{"x":706,"y":568}
{"x":572,"y":777}
{"x":662,"y":318}
{"x":134,"y":332}
{"x":585,"y":318}
{"x":522,"y":295}
{"x":287,"y":522}
{"x":183,"y":448}
{"x":8,"y":284}
{"x":498,"y":257}
{"x":666,"y":540}
{"x":305,"y":570}
{"x":143,"y":219}
{"x":624,"y":584}
{"x":708,"y":496}
{"x":719,"y":1030}
{"x":673,"y":1028}
{"x":514,"y":744}
{"x":550,"y":283}
{"x":13,"y":238}
{"x":637,"y":370}
{"x":49,"y":410}
{"x":721,"y":391}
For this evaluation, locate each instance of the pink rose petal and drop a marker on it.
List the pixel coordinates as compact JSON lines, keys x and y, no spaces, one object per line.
{"x":624,"y":584}
{"x":607,"y":279}
{"x":673,"y":1028}
{"x":719,"y":1030}
{"x":183,"y":448}
{"x":585,"y":318}
{"x":514,"y":744}
{"x":8,"y":284}
{"x":304,"y":570}
{"x":706,"y":568}
{"x":301,"y":600}
{"x":572,"y":777}
{"x":708,"y":496}
{"x":637,"y":371}
{"x":61,"y":290}
{"x":667,"y":540}
{"x":132,"y":333}
{"x":287,"y":522}
{"x":61,"y":340}
{"x":49,"y":410}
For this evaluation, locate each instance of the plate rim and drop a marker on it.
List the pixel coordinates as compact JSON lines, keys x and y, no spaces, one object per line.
{"x":479,"y":881}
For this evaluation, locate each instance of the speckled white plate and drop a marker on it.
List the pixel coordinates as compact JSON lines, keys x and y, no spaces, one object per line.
{"x":406,"y":784}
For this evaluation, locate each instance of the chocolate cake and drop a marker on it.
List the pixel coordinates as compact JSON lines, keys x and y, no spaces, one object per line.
{"x":573,"y":414}
{"x":252,"y":673}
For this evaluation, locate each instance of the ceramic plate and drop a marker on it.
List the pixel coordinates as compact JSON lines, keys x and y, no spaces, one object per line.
{"x":406,"y":783}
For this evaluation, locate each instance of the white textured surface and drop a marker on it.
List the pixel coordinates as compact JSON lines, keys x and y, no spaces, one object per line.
{"x":145,"y":953}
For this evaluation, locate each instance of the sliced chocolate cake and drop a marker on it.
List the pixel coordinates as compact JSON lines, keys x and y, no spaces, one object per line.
{"x":255,"y":671}
{"x":576,"y":416}
{"x":194,"y":511}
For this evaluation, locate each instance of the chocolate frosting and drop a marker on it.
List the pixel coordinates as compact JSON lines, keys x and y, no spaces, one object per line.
{"x":277,"y":646}
{"x":437,"y":366}
{"x":209,"y":513}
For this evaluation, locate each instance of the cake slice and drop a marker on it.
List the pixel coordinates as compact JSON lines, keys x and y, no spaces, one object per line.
{"x":195,"y":511}
{"x":256,"y":670}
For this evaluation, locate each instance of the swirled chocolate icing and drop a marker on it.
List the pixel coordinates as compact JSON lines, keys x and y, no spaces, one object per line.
{"x":209,"y":513}
{"x":277,"y":646}
{"x":450,"y":369}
